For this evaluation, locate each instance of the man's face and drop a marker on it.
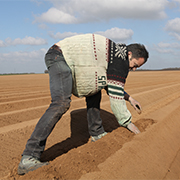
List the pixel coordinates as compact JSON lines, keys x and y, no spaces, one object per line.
{"x":135,"y":63}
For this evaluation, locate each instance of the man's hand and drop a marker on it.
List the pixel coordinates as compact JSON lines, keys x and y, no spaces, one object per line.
{"x":135,"y":104}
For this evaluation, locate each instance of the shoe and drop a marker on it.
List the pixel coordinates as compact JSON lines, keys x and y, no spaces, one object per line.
{"x":133,"y":128}
{"x":95,"y":138}
{"x":29,"y":163}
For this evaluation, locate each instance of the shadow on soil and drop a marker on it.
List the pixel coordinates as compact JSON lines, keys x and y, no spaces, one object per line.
{"x":79,"y":133}
{"x":85,"y":159}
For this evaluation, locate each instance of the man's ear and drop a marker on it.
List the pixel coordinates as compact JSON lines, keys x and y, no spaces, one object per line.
{"x":129,"y":54}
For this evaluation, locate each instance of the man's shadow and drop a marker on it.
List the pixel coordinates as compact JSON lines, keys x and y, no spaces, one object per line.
{"x":79,"y":133}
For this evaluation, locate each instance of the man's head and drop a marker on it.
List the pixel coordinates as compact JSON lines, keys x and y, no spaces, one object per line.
{"x":137,"y":55}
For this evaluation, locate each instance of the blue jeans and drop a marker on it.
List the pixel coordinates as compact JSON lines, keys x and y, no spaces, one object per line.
{"x":61,"y":89}
{"x":93,"y":114}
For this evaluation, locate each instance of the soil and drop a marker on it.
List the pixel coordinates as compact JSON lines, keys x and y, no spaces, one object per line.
{"x":152,"y":154}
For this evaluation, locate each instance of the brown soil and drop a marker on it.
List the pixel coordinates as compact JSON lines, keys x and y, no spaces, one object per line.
{"x":152,"y":154}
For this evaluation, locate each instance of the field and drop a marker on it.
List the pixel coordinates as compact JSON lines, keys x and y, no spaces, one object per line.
{"x":152,"y":154}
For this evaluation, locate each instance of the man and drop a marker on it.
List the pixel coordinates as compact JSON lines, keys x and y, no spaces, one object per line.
{"x":83,"y":65}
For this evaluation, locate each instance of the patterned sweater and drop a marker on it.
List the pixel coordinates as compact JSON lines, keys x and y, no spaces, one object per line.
{"x":96,"y":63}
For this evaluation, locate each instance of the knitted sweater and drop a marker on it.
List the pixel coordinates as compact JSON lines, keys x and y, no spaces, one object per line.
{"x":97,"y":62}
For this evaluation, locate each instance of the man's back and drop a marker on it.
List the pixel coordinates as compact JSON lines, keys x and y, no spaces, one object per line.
{"x":87,"y":55}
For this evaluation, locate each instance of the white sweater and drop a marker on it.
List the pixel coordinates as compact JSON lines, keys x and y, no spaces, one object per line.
{"x":96,"y":62}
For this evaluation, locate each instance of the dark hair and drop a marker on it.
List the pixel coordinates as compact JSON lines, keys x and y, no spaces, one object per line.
{"x":138,"y":51}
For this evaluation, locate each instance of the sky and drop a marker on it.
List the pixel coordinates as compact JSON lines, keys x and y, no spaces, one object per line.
{"x":28,"y":28}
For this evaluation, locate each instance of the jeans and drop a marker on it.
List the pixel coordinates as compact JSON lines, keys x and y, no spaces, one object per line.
{"x":61,"y":89}
{"x":93,"y":114}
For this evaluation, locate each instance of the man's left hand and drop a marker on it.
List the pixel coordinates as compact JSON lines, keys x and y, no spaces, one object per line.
{"x":135,"y":104}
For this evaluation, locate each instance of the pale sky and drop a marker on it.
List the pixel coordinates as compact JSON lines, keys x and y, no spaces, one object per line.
{"x":30,"y":27}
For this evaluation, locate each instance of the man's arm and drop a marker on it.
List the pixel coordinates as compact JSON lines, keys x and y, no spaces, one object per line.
{"x":118,"y":68}
{"x":126,"y":96}
{"x":133,"y":102}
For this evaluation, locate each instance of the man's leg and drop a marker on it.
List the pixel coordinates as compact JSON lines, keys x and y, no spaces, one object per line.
{"x":61,"y":88}
{"x":93,"y":115}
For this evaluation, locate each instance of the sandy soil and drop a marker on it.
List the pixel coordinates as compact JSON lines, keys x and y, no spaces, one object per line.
{"x":153,"y":154}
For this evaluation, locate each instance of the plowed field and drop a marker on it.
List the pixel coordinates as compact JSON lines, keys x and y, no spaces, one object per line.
{"x":152,"y":154}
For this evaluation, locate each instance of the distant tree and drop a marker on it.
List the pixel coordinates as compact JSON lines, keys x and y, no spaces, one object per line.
{"x":46,"y":71}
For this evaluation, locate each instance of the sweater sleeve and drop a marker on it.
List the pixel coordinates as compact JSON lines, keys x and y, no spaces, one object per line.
{"x":118,"y":68}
